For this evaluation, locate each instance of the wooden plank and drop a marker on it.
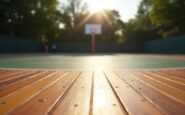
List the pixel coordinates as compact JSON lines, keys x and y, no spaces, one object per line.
{"x":181,"y":70}
{"x":153,"y":95}
{"x":46,"y":100}
{"x":3,"y":72}
{"x":22,"y":83}
{"x":77,"y":100}
{"x":14,"y":79}
{"x":105,"y":101}
{"x":165,"y":80}
{"x":170,"y":91}
{"x":172,"y":77}
{"x":10,"y":74}
{"x":177,"y":73}
{"x":134,"y":103}
{"x":10,"y":102}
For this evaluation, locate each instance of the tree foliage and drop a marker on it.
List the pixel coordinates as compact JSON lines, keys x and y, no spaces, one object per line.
{"x":76,"y":15}
{"x":155,"y":19}
{"x":168,"y":16}
{"x":35,"y":19}
{"x":140,"y":29}
{"x":40,"y":19}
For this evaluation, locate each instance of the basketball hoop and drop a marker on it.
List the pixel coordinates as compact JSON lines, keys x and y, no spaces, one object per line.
{"x":93,"y":29}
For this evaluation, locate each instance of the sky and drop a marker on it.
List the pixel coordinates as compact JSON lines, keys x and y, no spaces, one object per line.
{"x":126,"y":8}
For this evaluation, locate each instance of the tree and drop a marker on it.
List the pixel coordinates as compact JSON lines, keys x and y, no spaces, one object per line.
{"x":75,"y":15}
{"x":73,"y":10}
{"x":156,"y":19}
{"x":140,"y":29}
{"x":34,"y":19}
{"x":168,"y":16}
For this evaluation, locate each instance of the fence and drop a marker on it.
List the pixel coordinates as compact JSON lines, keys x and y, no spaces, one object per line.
{"x":15,"y":45}
{"x":172,"y":45}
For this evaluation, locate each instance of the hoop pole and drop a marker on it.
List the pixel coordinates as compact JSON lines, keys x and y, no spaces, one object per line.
{"x":93,"y":43}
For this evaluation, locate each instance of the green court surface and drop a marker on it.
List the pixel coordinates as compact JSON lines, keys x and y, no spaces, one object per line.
{"x":91,"y":62}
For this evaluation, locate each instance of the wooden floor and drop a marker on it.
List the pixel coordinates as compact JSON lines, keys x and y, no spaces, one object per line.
{"x":92,"y":92}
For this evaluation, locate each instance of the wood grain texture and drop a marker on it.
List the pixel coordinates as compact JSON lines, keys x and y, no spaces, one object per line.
{"x":9,"y":75}
{"x":104,"y":99}
{"x":165,"y":80}
{"x":10,"y":102}
{"x":134,"y":103}
{"x":123,"y":92}
{"x":46,"y":100}
{"x":177,"y":73}
{"x":153,"y":95}
{"x":169,"y":76}
{"x":22,"y":83}
{"x":77,"y":100}
{"x":14,"y":79}
{"x":174,"y":93}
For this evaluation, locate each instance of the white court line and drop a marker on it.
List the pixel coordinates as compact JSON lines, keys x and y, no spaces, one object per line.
{"x":31,"y":69}
{"x":153,"y":69}
{"x":150,"y":69}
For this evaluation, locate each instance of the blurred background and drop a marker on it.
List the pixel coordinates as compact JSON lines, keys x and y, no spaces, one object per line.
{"x":134,"y":26}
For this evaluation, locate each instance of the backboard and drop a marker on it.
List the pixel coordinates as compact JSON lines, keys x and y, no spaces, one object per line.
{"x":92,"y":29}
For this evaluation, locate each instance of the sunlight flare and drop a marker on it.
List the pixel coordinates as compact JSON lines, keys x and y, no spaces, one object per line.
{"x":99,"y":5}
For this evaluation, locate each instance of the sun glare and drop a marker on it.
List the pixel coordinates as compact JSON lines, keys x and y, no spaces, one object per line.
{"x":98,"y":5}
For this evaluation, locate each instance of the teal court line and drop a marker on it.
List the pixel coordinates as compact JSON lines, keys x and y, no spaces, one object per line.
{"x":91,"y":62}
